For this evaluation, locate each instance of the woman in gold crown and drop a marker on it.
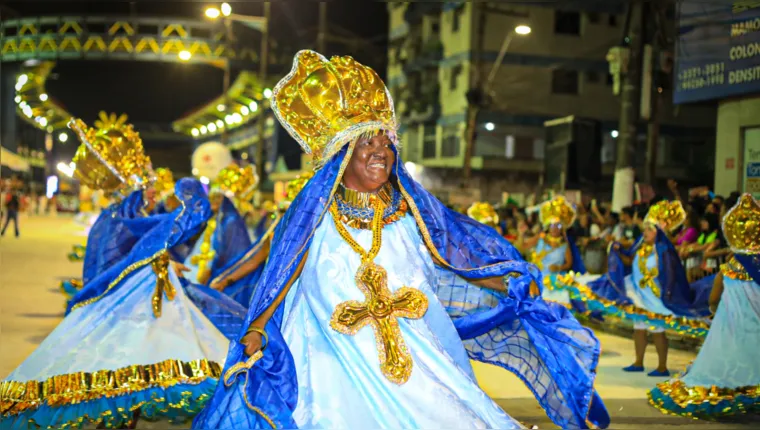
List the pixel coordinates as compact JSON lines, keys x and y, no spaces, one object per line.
{"x":724,"y":379}
{"x":554,"y":252}
{"x":375,"y":292}
{"x":239,"y":278}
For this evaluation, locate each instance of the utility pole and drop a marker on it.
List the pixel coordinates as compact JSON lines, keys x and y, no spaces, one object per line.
{"x":476,"y":95}
{"x":623,"y":182}
{"x":321,"y":37}
{"x":263,"y":79}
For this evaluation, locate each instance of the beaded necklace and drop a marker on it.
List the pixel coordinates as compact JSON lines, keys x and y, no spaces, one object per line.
{"x":356,"y":210}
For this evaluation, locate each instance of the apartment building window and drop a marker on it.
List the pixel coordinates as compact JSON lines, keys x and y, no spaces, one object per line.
{"x":455,"y":72}
{"x":594,"y":18}
{"x":567,"y":22}
{"x":428,"y":142}
{"x":592,"y":77}
{"x":456,"y":17}
{"x":612,"y":21}
{"x":564,"y":81}
{"x":451,"y":141}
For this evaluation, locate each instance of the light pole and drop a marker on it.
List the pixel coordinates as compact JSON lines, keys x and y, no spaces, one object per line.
{"x":260,"y":23}
{"x":485,"y":91}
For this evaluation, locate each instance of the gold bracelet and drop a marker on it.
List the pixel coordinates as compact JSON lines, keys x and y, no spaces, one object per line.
{"x":262,"y":333}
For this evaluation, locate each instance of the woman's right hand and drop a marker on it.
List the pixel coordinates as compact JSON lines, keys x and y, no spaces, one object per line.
{"x":252,"y":342}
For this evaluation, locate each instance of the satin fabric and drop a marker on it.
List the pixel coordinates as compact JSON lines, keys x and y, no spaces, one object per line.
{"x":118,"y":331}
{"x":351,"y":392}
{"x":678,"y":296}
{"x":242,"y":289}
{"x":109,"y":240}
{"x":560,"y":369}
{"x":155,"y":234}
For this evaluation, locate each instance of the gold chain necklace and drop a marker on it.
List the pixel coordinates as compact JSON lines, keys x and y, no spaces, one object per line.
{"x":381,"y":308}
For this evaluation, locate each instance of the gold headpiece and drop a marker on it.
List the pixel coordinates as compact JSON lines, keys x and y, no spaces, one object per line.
{"x":741,"y":226}
{"x":115,"y":146}
{"x":326,"y":104}
{"x":484,"y":213}
{"x":164,"y":180}
{"x":238,"y":182}
{"x":557,"y":211}
{"x":296,"y":185}
{"x":669,"y":215}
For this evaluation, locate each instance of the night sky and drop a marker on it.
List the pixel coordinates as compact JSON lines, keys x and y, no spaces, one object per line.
{"x":159,"y":92}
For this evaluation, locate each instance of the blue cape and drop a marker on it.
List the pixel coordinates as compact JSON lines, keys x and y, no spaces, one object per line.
{"x":557,"y":366}
{"x":751,"y":264}
{"x":230,"y":239}
{"x":578,"y":265}
{"x":109,"y":239}
{"x":155,"y":234}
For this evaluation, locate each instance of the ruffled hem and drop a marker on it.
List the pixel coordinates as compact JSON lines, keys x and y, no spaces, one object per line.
{"x":171,"y":388}
{"x":692,"y":328}
{"x":675,"y":398}
{"x":177,"y":403}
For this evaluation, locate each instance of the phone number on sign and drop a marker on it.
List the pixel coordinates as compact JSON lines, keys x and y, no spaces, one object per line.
{"x":690,"y":84}
{"x":697,"y":72}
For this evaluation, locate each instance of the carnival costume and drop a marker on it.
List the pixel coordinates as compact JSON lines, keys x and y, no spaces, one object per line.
{"x":133,"y":338}
{"x":550,"y":251}
{"x":652,"y":292}
{"x":320,"y":368}
{"x":242,"y":289}
{"x":225,"y":237}
{"x":724,"y":379}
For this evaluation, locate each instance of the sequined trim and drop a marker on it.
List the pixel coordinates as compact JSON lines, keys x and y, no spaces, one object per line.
{"x":355,"y":213}
{"x":63,"y":390}
{"x":732,"y":269}
{"x":676,"y":398}
{"x":684,"y":326}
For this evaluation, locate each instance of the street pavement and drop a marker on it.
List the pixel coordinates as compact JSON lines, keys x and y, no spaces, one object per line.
{"x":31,"y":306}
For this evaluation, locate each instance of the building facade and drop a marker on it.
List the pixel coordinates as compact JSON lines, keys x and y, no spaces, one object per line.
{"x":437,"y":50}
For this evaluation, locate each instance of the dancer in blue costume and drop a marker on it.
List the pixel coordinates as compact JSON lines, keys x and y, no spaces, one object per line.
{"x":655,"y":296}
{"x":365,"y":245}
{"x":133,"y":342}
{"x":724,"y":379}
{"x":238,"y":279}
{"x":223,"y":240}
{"x":555,"y":252}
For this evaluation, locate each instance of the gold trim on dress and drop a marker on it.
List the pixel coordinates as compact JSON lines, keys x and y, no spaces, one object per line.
{"x":684,"y":396}
{"x":64,"y":390}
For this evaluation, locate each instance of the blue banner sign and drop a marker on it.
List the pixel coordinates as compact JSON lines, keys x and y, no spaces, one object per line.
{"x":718,"y":52}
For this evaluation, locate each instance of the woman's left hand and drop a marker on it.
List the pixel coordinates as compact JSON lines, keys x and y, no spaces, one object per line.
{"x":179,"y":269}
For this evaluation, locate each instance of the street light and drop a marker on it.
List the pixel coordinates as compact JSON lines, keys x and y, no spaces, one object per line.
{"x":63,"y":137}
{"x":212,"y":13}
{"x":226,"y":9}
{"x":522,"y":30}
{"x":43,"y":97}
{"x":185,"y":55}
{"x":267,"y":93}
{"x":490,"y":126}
{"x":253,"y":106}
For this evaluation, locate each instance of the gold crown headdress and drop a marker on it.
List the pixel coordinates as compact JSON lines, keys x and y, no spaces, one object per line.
{"x":557,"y":211}
{"x":164,"y":180}
{"x":741,"y":226}
{"x":237,"y":182}
{"x":669,"y":215}
{"x":117,"y":147}
{"x":483,"y":213}
{"x":325,"y":104}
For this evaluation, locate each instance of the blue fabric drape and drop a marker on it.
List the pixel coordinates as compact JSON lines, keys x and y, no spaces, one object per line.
{"x":676,"y":293}
{"x":230,"y":239}
{"x":155,"y":234}
{"x":751,"y":264}
{"x":578,"y":265}
{"x":564,"y":355}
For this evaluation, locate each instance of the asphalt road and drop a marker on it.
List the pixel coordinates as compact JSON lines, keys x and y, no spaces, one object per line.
{"x":31,"y":306}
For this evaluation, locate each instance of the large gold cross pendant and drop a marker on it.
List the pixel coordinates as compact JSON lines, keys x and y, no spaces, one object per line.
{"x":381,"y":310}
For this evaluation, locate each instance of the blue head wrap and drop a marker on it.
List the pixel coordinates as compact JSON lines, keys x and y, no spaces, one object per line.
{"x":265,"y":395}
